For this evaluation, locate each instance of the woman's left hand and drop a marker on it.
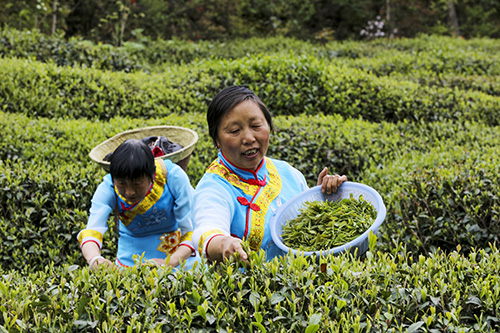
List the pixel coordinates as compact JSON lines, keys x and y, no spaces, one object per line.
{"x":330,"y":183}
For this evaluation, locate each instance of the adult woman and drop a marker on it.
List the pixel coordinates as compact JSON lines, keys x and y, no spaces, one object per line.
{"x":242,"y":188}
{"x":153,"y":199}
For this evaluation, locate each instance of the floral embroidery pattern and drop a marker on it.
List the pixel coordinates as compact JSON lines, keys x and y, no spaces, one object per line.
{"x":169,"y":241}
{"x":187,"y":236}
{"x":224,"y":172}
{"x":268,"y":194}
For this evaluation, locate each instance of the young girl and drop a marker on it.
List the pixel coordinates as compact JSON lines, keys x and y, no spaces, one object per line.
{"x":153,"y":199}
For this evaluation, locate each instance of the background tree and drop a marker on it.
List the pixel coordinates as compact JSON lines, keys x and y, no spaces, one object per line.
{"x":116,"y":21}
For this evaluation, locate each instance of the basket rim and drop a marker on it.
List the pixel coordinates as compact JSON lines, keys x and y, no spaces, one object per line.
{"x":183,"y":152}
{"x":381,"y":213}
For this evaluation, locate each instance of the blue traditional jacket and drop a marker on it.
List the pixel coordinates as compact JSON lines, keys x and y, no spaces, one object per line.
{"x":240,"y":202}
{"x":155,"y":226}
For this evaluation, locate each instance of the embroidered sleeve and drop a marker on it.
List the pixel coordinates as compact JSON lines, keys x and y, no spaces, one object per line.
{"x":182,"y":192}
{"x":89,"y":235}
{"x":187,"y":240}
{"x":205,"y":239}
{"x":102,"y":205}
{"x":213,"y":211}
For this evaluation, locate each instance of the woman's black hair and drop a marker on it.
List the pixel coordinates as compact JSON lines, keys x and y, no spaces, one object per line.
{"x":132,"y":159}
{"x":226,"y":100}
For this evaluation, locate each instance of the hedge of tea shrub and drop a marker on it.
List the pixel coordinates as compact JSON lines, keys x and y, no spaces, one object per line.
{"x":466,"y":70}
{"x":48,"y":178}
{"x":143,"y":56}
{"x":31,"y":44}
{"x":423,"y":44}
{"x":381,"y":292}
{"x":423,"y":59}
{"x":488,"y":84}
{"x":438,"y":61}
{"x":430,"y":148}
{"x":146,"y":54}
{"x":440,"y":199}
{"x":291,"y":86}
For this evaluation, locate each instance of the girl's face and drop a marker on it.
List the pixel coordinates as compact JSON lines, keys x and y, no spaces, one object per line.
{"x":133,"y":190}
{"x":243,"y":135}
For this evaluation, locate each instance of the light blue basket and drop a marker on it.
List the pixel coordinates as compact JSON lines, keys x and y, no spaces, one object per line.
{"x":290,"y":210}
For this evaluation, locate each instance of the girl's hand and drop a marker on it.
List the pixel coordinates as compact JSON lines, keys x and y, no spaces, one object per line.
{"x":330,"y":183}
{"x":157,"y":261}
{"x":181,"y":254}
{"x":102,"y":262}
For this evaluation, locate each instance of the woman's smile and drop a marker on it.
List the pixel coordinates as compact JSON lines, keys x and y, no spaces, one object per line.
{"x":243,"y":135}
{"x":251,"y":152}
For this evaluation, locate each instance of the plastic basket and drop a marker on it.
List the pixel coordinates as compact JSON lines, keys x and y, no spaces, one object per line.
{"x":183,"y":136}
{"x":290,"y":210}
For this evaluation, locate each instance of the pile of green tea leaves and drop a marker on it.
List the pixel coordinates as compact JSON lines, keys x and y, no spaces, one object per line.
{"x":322,"y":225}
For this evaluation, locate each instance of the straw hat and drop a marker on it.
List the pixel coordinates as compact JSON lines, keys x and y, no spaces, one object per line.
{"x":183,"y":136}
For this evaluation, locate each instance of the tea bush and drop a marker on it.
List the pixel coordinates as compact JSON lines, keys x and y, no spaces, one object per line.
{"x":291,"y":86}
{"x":487,"y":84}
{"x":380,"y":292}
{"x":48,"y":177}
{"x":415,"y":119}
{"x":145,"y":56}
{"x":422,"y":44}
{"x":441,"y":198}
{"x":62,"y":52}
{"x":445,"y":206}
{"x":437,"y":61}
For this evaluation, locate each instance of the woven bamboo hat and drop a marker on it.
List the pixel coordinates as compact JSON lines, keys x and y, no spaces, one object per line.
{"x":183,"y":136}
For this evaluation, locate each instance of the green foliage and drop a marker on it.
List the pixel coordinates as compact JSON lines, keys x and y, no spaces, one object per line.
{"x":72,"y":52}
{"x":140,"y":56}
{"x":444,"y":207}
{"x":290,"y":86}
{"x":48,"y":177}
{"x":119,"y":21}
{"x":381,"y":292}
{"x":415,"y":119}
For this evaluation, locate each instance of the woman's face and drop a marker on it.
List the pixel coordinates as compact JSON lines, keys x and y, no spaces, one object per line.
{"x":133,"y":190}
{"x":243,"y":135}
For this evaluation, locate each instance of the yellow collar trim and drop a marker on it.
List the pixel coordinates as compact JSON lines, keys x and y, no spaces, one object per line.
{"x":149,"y":200}
{"x":221,"y":170}
{"x":264,"y":200}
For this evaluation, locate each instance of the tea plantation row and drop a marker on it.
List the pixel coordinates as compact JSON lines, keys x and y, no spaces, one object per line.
{"x":457,"y":55}
{"x":384,"y":292}
{"x":290,"y":86}
{"x":415,"y":119}
{"x":429,"y":60}
{"x":440,"y":181}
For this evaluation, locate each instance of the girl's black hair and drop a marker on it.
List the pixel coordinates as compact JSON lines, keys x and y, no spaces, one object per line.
{"x":226,"y":100}
{"x":132,"y":159}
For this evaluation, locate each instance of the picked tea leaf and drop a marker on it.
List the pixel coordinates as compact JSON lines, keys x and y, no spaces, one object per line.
{"x":322,"y":225}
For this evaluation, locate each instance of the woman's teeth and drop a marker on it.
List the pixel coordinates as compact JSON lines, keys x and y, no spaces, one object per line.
{"x":250,"y":152}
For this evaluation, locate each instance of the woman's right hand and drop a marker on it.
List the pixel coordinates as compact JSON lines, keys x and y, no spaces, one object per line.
{"x":224,"y":247}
